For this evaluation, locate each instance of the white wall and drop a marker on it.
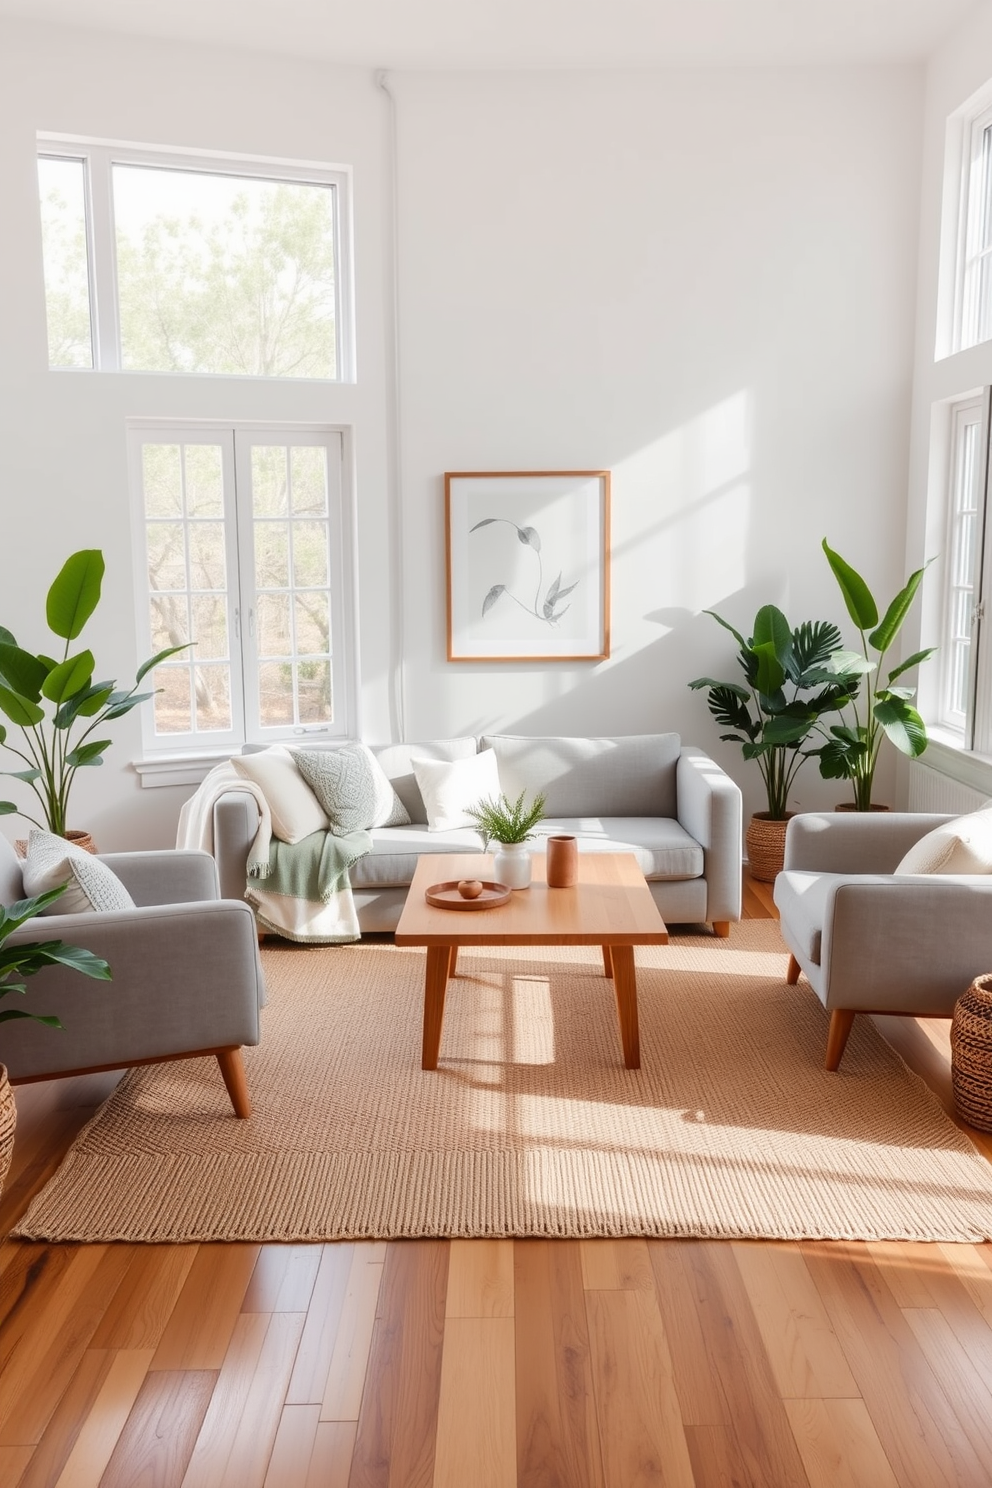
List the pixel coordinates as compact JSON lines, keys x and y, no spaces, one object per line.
{"x":703,"y":280}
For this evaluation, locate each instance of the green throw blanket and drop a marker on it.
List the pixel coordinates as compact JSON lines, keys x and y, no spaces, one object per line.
{"x":303,"y":891}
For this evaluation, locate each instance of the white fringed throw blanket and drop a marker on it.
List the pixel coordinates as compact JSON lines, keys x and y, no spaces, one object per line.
{"x":301,"y":891}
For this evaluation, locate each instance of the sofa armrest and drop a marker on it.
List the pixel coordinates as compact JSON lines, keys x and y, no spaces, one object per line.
{"x":854,"y":842}
{"x":709,"y":807}
{"x":170,"y":877}
{"x":235,"y":824}
{"x":185,"y":977}
{"x":912,"y":943}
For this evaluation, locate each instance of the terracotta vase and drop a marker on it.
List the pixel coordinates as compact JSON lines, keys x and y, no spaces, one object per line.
{"x":765,"y":841}
{"x":8,"y":1120}
{"x":563,"y":862}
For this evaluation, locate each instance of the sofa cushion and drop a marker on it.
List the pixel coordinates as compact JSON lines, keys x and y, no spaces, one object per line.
{"x":352,"y":788}
{"x":395,"y":851}
{"x":662,"y":847}
{"x":296,"y":812}
{"x":627,"y":776}
{"x":801,"y":899}
{"x":451,"y":788}
{"x":397,"y":762}
{"x":963,"y":845}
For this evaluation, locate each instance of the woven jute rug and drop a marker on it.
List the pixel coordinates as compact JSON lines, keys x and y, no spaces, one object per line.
{"x":531,"y":1125}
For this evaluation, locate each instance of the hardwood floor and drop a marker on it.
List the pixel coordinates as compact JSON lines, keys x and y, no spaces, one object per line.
{"x":485,"y":1364}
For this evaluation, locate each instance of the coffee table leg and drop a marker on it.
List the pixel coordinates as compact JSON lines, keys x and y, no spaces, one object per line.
{"x":608,"y":961}
{"x":453,"y":962}
{"x":438,"y":959}
{"x":625,"y":986}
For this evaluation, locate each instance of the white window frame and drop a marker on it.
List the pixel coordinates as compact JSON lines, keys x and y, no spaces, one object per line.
{"x":100,"y":156}
{"x":970,"y":412}
{"x":343,"y":568}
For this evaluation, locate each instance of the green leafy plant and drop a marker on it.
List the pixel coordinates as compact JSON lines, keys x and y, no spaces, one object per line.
{"x":884,"y":711}
{"x":23,"y":961}
{"x":789,"y":684}
{"x":506,"y":821}
{"x":58,"y":742}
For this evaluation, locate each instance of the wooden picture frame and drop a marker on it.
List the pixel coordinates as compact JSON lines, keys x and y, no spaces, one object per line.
{"x":528,"y":565}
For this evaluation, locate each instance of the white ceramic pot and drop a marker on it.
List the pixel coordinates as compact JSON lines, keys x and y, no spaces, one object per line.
{"x":511,"y":864}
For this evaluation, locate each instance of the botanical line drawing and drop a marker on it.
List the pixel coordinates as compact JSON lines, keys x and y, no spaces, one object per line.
{"x":549,"y":610}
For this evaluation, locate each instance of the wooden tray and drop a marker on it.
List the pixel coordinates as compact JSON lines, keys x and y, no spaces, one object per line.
{"x":446,"y":895}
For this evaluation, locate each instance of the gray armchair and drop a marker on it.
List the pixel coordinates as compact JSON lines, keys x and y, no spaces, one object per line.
{"x":187,"y":979}
{"x":869,"y":942}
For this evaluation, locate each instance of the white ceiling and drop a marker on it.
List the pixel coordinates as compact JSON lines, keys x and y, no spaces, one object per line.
{"x":532,"y":33}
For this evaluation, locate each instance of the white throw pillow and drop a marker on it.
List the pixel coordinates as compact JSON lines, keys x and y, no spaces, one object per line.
{"x":449,"y":787}
{"x":960,"y":846}
{"x":352,"y":787}
{"x":91,"y":884}
{"x":296,"y":812}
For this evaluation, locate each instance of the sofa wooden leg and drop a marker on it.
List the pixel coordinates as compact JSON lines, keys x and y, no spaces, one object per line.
{"x":233,"y":1070}
{"x":721,"y":928}
{"x":792,"y":975}
{"x":841,"y":1023}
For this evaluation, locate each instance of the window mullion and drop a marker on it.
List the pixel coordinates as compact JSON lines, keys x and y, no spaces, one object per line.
{"x":978,"y":731}
{"x":103,"y":262}
{"x":248,"y":600}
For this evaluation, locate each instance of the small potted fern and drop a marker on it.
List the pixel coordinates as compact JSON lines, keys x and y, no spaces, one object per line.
{"x":510,"y":824}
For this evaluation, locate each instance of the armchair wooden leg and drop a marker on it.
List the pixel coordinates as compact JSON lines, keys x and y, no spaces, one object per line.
{"x":233,"y":1070}
{"x":841,"y":1023}
{"x":721,"y":928}
{"x":792,"y":975}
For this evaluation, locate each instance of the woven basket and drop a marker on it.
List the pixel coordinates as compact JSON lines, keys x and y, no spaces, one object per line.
{"x":971,"y":1054}
{"x":8,"y":1120}
{"x":78,"y":839}
{"x":765,"y":841}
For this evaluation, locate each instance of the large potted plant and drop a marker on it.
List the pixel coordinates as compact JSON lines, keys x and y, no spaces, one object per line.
{"x":18,"y":962}
{"x":55,"y":703}
{"x":884,"y":710}
{"x":789,"y":685}
{"x":510,"y":824}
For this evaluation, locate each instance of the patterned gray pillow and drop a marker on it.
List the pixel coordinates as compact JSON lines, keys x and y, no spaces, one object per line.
{"x":91,"y":884}
{"x":352,"y":787}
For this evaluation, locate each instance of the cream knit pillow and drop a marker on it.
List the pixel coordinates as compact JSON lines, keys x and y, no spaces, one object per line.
{"x":960,"y":846}
{"x":296,"y":812}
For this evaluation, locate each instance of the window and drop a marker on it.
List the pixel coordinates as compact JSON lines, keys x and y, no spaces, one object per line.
{"x":961,"y":577}
{"x":244,"y":538}
{"x":158,"y":262}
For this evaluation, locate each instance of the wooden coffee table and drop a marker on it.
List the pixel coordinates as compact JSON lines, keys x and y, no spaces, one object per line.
{"x":611,"y":906}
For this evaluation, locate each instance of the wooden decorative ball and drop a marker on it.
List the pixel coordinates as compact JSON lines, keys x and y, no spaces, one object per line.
{"x":470,"y":888}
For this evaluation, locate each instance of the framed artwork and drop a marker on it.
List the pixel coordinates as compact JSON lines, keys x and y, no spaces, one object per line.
{"x":528,"y":561}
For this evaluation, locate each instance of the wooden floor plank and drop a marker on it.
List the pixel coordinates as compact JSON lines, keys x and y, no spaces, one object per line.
{"x":333,"y":1452}
{"x":313,"y":1357}
{"x":476,"y":1422}
{"x":289,"y":1465}
{"x":839,"y":1445}
{"x":255,"y":1434}
{"x":13,"y":1462}
{"x":44,"y":1362}
{"x":480,"y":1279}
{"x":968,"y":1263}
{"x":640,"y":1421}
{"x":557,"y":1429}
{"x":967,"y":1388}
{"x":920,"y":1434}
{"x":30,"y":1277}
{"x":67,"y":1420}
{"x":345,"y":1383}
{"x":702,"y":1400}
{"x":716,"y":1457}
{"x":98,"y":1435}
{"x":283,"y":1279}
{"x":144,"y":1301}
{"x":616,"y":1265}
{"x":203,"y":1320}
{"x":805,"y":1355}
{"x":157,"y":1441}
{"x":738,"y":1359}
{"x":212,"y":1449}
{"x":397,"y":1424}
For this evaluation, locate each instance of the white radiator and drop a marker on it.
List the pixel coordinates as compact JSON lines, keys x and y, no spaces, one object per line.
{"x":931,"y":791}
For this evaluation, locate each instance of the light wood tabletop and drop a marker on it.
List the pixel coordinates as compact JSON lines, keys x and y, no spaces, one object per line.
{"x":611,"y":906}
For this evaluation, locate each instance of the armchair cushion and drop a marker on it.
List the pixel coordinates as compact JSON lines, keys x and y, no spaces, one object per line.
{"x":963,"y":845}
{"x":90,"y":884}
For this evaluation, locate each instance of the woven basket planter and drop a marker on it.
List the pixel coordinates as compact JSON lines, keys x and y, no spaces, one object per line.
{"x":78,"y":839}
{"x":8,"y":1120}
{"x":765,"y":841}
{"x":971,"y":1054}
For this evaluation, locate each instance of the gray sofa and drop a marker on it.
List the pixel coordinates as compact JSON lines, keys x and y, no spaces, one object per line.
{"x":670,"y":805}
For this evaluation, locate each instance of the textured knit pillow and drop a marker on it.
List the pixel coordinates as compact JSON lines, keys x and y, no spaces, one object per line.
{"x":960,"y":846}
{"x":450,"y":787}
{"x":296,"y":812}
{"x":91,"y":884}
{"x":352,"y":787}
